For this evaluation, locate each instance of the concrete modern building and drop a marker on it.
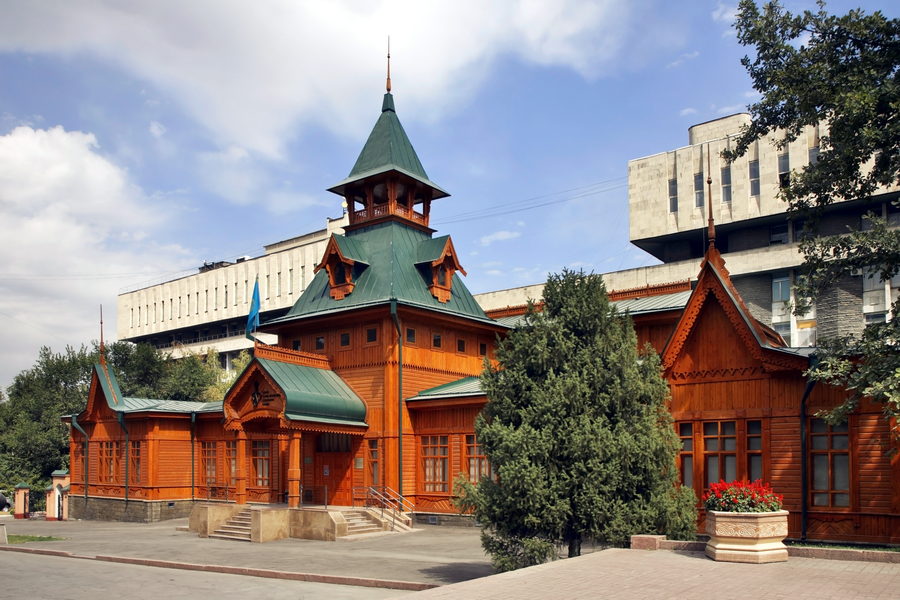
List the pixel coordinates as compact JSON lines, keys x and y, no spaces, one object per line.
{"x":667,"y":200}
{"x":208,"y":309}
{"x":667,"y":196}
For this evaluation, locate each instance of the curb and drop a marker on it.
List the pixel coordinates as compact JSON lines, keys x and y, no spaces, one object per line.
{"x":659,"y":542}
{"x":246,"y":571}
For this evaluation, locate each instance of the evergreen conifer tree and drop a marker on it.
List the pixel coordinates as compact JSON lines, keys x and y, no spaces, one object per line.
{"x":577,"y":433}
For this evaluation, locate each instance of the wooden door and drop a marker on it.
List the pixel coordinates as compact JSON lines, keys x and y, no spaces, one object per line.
{"x":333,"y":471}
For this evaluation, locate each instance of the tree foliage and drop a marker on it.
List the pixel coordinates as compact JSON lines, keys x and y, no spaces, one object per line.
{"x":576,"y":430}
{"x":222,"y":379}
{"x":841,"y":72}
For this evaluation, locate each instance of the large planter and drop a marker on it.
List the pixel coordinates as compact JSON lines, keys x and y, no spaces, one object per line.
{"x":747,"y":537}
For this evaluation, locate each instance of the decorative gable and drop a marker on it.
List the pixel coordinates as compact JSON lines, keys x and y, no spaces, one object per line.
{"x":340,"y":262}
{"x":254,"y":396}
{"x":717,"y":336}
{"x":438,"y":262}
{"x":104,"y":393}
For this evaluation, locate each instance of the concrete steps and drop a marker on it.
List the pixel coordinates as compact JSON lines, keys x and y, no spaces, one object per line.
{"x":359,"y":522}
{"x":237,"y":528}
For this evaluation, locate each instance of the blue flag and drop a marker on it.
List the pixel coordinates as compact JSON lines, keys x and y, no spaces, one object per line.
{"x":253,"y":317}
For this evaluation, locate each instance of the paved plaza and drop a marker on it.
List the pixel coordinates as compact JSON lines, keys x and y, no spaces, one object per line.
{"x":633,"y":574}
{"x":448,"y":560}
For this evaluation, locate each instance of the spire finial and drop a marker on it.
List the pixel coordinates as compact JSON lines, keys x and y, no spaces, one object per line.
{"x":102,"y":347}
{"x":711,"y":223}
{"x":388,"y":86}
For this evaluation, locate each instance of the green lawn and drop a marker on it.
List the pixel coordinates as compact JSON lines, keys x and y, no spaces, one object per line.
{"x":22,"y":539}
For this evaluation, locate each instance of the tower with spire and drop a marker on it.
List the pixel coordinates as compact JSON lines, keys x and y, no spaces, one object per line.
{"x":388,"y":182}
{"x":389,"y":313}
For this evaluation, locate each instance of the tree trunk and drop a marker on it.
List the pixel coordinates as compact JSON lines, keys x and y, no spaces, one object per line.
{"x":575,"y":546}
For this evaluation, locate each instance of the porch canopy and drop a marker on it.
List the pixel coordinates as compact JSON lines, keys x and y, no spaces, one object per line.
{"x":316,"y":395}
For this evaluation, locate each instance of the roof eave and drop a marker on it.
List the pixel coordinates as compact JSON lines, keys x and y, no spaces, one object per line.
{"x":339,"y":187}
{"x":380,"y":302}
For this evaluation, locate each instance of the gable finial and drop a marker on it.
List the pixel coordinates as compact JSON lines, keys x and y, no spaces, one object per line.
{"x":102,"y":347}
{"x":388,"y":86}
{"x":711,"y":224}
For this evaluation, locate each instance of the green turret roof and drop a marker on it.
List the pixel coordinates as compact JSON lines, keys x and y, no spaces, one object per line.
{"x":390,"y":251}
{"x":388,"y":149}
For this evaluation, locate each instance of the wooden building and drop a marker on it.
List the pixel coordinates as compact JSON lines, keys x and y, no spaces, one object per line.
{"x":373,"y":384}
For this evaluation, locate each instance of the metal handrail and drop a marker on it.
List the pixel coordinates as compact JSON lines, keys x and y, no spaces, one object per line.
{"x":384,"y":498}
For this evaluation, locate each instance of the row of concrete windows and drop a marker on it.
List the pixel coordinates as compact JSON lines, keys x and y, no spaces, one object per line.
{"x":700,"y":183}
{"x":190,"y":304}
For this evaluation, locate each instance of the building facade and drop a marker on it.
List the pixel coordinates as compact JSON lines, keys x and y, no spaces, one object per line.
{"x":371,"y":380}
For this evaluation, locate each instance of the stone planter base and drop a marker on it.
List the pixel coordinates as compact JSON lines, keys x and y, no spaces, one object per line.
{"x":747,"y":537}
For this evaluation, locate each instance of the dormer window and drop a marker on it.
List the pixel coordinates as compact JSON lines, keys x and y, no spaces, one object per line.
{"x":442,"y":281}
{"x":342,"y":262}
{"x":438,"y":263}
{"x":340,"y":277}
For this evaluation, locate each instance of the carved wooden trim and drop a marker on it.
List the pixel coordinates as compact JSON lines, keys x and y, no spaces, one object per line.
{"x":296,"y":357}
{"x":650,"y":290}
{"x":730,"y":373}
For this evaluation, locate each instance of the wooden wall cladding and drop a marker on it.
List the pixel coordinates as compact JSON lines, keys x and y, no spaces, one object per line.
{"x":174,"y":463}
{"x":874,"y":463}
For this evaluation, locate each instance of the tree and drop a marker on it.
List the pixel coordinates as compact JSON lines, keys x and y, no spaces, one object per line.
{"x":223,"y":379}
{"x":842,"y":72}
{"x":577,"y":432}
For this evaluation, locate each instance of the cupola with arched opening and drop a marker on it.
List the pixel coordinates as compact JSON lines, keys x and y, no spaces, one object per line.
{"x":388,"y":182}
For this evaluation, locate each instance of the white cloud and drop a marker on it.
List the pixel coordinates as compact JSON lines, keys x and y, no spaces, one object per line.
{"x":499,"y":236}
{"x":731,"y":109}
{"x":580,"y":265}
{"x":681,"y":59}
{"x":73,"y":230}
{"x":685,"y":112}
{"x":234,"y":175}
{"x":724,"y":13}
{"x":252,"y":72}
{"x":157,"y":129}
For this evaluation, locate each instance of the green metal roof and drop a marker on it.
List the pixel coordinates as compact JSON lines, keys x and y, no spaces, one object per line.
{"x":634,"y":306}
{"x":350,"y":248}
{"x":125,"y":404}
{"x":467,"y":386}
{"x":430,"y":250}
{"x":388,"y":149}
{"x":391,"y":250}
{"x":109,"y":384}
{"x":650,"y":304}
{"x":317,"y":395}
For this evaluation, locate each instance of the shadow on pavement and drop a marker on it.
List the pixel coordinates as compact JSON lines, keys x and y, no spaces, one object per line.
{"x":461,"y":571}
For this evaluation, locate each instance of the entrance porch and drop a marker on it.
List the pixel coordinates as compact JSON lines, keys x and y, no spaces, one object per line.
{"x":265,"y":523}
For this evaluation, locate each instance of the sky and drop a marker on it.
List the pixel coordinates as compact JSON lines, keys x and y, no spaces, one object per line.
{"x":141,"y":139}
